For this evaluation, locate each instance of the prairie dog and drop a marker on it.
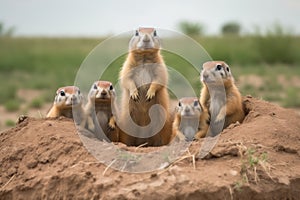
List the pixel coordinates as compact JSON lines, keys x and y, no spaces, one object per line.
{"x":220,"y":96}
{"x":143,"y":80}
{"x":101,"y":110}
{"x":67,"y":103}
{"x":191,"y":121}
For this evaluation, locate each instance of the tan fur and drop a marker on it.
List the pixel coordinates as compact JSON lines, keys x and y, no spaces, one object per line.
{"x":233,"y":109}
{"x":186,"y":108}
{"x":68,"y":101}
{"x":102,"y":102}
{"x":144,"y":64}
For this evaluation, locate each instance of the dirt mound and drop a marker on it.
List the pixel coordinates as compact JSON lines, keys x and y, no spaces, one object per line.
{"x":259,"y":159}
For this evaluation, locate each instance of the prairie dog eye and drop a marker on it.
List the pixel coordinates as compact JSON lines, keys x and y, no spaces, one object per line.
{"x":196,"y":103}
{"x":154,"y":33}
{"x":111,"y":87}
{"x":95,"y":86}
{"x":62,"y":93}
{"x":219,"y":67}
{"x":136,"y":33}
{"x":179,"y":104}
{"x":227,"y":68}
{"x":78,"y":91}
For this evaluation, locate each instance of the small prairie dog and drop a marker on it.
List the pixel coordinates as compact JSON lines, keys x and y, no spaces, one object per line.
{"x":67,"y":103}
{"x":191,"y":121}
{"x":217,"y":78}
{"x":102,"y":100}
{"x":143,"y":79}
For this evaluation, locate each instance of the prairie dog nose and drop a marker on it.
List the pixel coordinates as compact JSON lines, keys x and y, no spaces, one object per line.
{"x":187,"y":109}
{"x":205,"y":75}
{"x":103,"y":92}
{"x":73,"y":97}
{"x":146,"y":38}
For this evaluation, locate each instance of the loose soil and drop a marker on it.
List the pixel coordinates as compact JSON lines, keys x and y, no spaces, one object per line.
{"x":258,"y":159}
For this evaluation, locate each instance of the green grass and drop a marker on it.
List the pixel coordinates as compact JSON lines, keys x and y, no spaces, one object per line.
{"x":10,"y":123}
{"x":252,"y":50}
{"x":36,"y":103}
{"x":49,"y":63}
{"x":40,"y":63}
{"x":12,"y":105}
{"x":293,"y":98}
{"x":251,"y":162}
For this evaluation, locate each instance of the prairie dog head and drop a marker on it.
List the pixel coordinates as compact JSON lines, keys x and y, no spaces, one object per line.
{"x":144,"y":40}
{"x":189,"y":107}
{"x":67,"y":97}
{"x":216,"y":73}
{"x":102,"y":91}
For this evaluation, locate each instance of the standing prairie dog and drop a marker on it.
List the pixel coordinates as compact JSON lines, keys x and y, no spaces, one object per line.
{"x":143,"y":80}
{"x":191,"y":121}
{"x":101,"y":110}
{"x":67,"y":103}
{"x":220,"y":96}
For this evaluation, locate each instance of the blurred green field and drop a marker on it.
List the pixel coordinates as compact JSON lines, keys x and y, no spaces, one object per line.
{"x":265,"y":67}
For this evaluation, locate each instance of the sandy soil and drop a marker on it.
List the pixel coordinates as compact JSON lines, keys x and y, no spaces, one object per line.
{"x":258,"y":159}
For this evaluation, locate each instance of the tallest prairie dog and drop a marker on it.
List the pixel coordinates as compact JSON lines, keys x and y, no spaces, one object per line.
{"x":143,"y":80}
{"x":219,"y":94}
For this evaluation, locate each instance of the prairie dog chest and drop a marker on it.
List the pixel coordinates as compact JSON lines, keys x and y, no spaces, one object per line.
{"x":189,"y":126}
{"x":217,"y":101}
{"x":144,"y":74}
{"x":103,"y":118}
{"x":67,"y":112}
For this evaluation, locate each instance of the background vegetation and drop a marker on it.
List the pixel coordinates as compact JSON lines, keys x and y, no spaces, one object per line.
{"x":266,"y":65}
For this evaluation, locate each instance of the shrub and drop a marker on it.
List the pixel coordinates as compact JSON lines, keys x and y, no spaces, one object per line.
{"x":275,"y":46}
{"x":231,"y":28}
{"x":12,"y":105}
{"x":10,"y":123}
{"x":191,"y":28}
{"x":292,"y":98}
{"x":36,"y":103}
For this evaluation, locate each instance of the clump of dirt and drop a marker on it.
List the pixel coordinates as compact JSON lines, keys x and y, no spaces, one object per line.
{"x":258,"y":159}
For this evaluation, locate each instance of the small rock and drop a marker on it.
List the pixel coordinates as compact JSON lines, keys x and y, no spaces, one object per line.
{"x":231,"y":126}
{"x":88,"y":174}
{"x":153,"y":175}
{"x":11,"y":171}
{"x":233,"y":172}
{"x":272,"y":114}
{"x":32,"y":164}
{"x":21,"y":119}
{"x":53,"y":137}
